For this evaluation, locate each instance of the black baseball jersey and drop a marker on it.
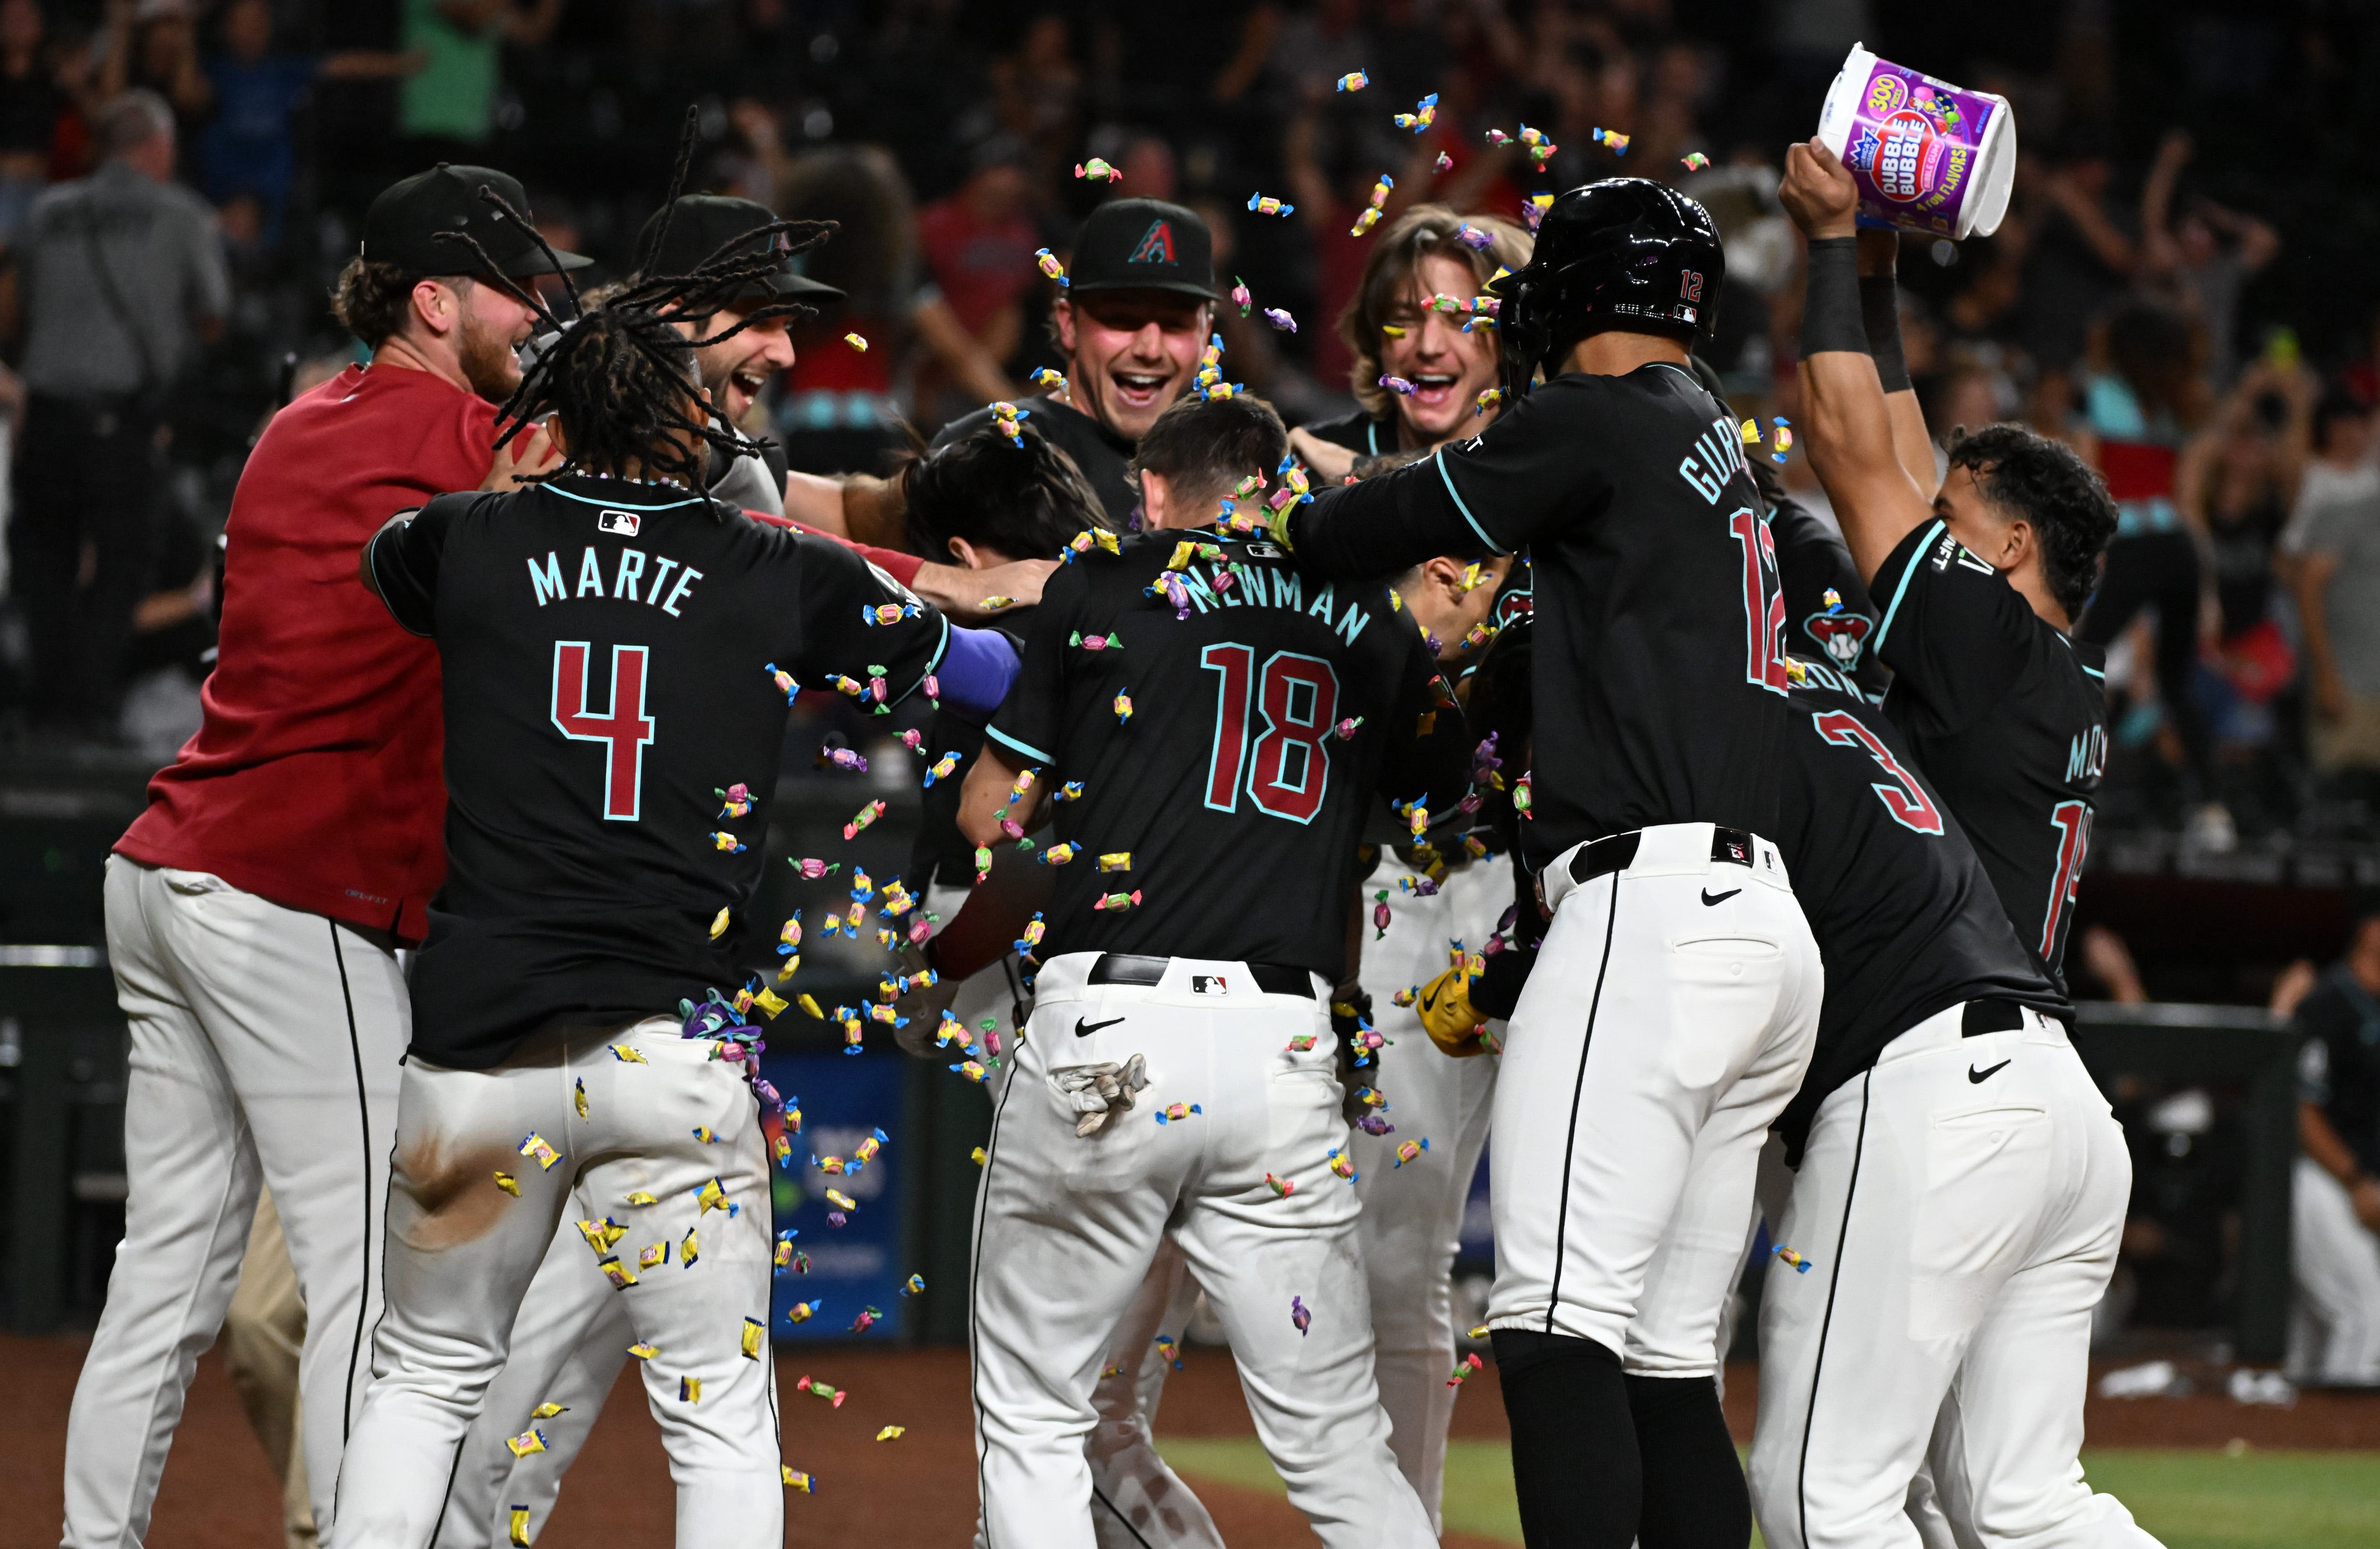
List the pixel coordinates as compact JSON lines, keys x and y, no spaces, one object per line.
{"x":608,"y":648}
{"x":1828,"y":614}
{"x":1104,"y":456}
{"x":1229,"y":790}
{"x":1905,"y":919}
{"x":2007,"y":715}
{"x":1364,"y":434}
{"x":2339,"y":1068}
{"x":1659,"y":660}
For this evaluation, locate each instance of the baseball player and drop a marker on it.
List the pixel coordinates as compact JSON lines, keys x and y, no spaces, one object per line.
{"x":1962,"y":1183}
{"x":592,"y":877}
{"x":1224,"y":751}
{"x":255,"y":909}
{"x":1980,"y":583}
{"x":1670,"y":1011}
{"x":2335,"y":1206}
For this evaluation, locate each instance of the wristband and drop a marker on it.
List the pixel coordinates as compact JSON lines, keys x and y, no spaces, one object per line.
{"x":1880,"y":317}
{"x":1830,"y":311}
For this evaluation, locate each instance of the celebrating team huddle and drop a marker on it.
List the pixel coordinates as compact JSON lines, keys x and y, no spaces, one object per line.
{"x":1510,"y":767}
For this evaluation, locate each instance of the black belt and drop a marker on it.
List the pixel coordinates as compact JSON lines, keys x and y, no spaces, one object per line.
{"x":1605,"y":857}
{"x":1129,"y":968}
{"x":1990,"y":1016}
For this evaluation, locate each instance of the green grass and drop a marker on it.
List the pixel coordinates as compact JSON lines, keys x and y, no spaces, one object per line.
{"x":2190,"y":1499}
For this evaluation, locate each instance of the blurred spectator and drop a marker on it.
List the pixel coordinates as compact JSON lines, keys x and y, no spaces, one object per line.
{"x":2334,"y":544}
{"x":1038,"y":90}
{"x":153,"y":45}
{"x":2208,"y":255}
{"x":122,"y":279}
{"x":448,"y":109}
{"x":247,"y":147}
{"x":2080,"y":257}
{"x":31,"y":102}
{"x":2108,"y":959}
{"x":2334,"y":1251}
{"x":2139,"y":408}
{"x":978,"y":246}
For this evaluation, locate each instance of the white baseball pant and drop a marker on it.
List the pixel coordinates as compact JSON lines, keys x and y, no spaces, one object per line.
{"x":1067,"y":1225}
{"x":1667,"y":1024}
{"x":264,"y":1048}
{"x":677,"y":1125}
{"x":1137,"y":1501}
{"x":2335,"y":1259}
{"x":1960,"y":1205}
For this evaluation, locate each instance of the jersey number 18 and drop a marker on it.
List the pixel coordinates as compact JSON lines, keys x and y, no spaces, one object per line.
{"x":1288,"y":769}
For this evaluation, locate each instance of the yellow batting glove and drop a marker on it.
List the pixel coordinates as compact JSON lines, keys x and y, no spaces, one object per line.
{"x":1444,"y":1007}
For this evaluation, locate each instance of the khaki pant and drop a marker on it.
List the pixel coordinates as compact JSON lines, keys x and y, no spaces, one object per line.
{"x":2352,"y":741}
{"x":263,"y":1332}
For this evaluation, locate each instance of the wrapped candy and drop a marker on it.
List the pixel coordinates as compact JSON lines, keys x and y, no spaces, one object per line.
{"x":1281,"y":320}
{"x":643,"y":1351}
{"x":1033,"y":930}
{"x":627,"y":1055}
{"x":1070,"y":792}
{"x":1006,"y":416}
{"x":1365,"y":219}
{"x":1341,"y":1164}
{"x":1098,"y":171}
{"x":1047,"y":380}
{"x":841,"y":1200}
{"x":535,"y":1146}
{"x":1444,"y":162}
{"x":1116,"y":903}
{"x":1058,"y":854}
{"x":834,"y":1395}
{"x":982,"y":862}
{"x":1095,"y":642}
{"x":1265,"y":204}
{"x":856,"y":342}
{"x":1373,"y":1124}
{"x":1783,"y":442}
{"x":784,"y":681}
{"x":1123,"y":707}
{"x":796,"y":1479}
{"x":1170,"y":586}
{"x":578,"y":1097}
{"x":885,"y":613}
{"x":1498,"y":139}
{"x":652,"y":1255}
{"x":1420,"y":887}
{"x":1465,"y":1367}
{"x":1612,"y":141}
{"x":1409,"y":1150}
{"x":973,"y":1069}
{"x":1381,"y":916}
{"x":1282,"y":1187}
{"x":1425,"y":113}
{"x":510,"y":1185}
{"x":755,"y":1333}
{"x":737,"y":800}
{"x":784,"y":1251}
{"x":520,"y":1527}
{"x":977,"y":1155}
{"x":802,"y":1312}
{"x":1175,"y":1112}
{"x":1474,"y":237}
{"x":891,"y":1433}
{"x":1118,"y":860}
{"x":1088,"y":538}
{"x":865,"y":1321}
{"x":641,"y":1198}
{"x":1241,"y":296}
{"x":1530,"y":213}
{"x":727,"y":843}
{"x":812,"y":870}
{"x":1522,"y":796}
{"x":712,"y":1196}
{"x":529,"y":1441}
{"x":914,"y":1285}
{"x":1399,"y":386}
{"x":719,"y":923}
{"x":1047,"y":261}
{"x":1801,"y":1265}
{"x":601,"y":1235}
{"x":1300,"y":1314}
{"x":1353,"y":81}
{"x":1169,"y":1351}
{"x":1695,"y":161}
{"x":863,"y":817}
{"x":619,"y":1274}
{"x":1492,"y":397}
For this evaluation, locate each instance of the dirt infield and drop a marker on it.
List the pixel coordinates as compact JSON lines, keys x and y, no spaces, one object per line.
{"x":218,"y":1492}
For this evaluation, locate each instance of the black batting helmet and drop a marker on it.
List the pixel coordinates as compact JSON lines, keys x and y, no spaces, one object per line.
{"x":1625,"y":253}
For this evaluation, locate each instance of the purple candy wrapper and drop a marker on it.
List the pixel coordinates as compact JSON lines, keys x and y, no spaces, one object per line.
{"x":1927,"y":155}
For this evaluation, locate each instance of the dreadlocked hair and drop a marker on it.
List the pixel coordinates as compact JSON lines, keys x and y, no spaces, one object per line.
{"x":619,"y":375}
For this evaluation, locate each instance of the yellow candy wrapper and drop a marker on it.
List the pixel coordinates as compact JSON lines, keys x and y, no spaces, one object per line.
{"x":689,"y":1250}
{"x":548,"y":1410}
{"x":619,"y":1274}
{"x":520,"y":1527}
{"x":627,"y":1056}
{"x":643,"y":1351}
{"x":601,"y":1235}
{"x":719,"y":925}
{"x":755,"y":1333}
{"x":653,"y":1255}
{"x":689,"y":1390}
{"x":536,"y":1145}
{"x":796,"y":1479}
{"x":504,"y":1181}
{"x":529,"y":1441}
{"x":712,"y":1195}
{"x":891,"y":1433}
{"x":578,"y":1097}
{"x":640,"y":1197}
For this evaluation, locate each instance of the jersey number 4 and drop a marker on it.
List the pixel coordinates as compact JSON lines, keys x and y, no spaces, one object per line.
{"x":624,"y":729}
{"x":1764,"y":601}
{"x":1902,"y":796}
{"x":1287,"y":768}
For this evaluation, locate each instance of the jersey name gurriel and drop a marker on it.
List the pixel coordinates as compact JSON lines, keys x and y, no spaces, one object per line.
{"x":2008,"y":716}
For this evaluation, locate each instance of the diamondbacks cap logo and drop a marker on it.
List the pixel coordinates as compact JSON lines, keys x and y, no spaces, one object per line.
{"x":1843,"y":635}
{"x":1155,"y":243}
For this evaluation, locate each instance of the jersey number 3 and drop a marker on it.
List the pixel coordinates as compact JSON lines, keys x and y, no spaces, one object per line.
{"x":1902,"y":797}
{"x":624,"y":729}
{"x":1289,"y":766}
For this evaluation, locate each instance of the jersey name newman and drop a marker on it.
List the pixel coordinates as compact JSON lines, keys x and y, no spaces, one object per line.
{"x":1239,"y":586}
{"x":627,"y":584}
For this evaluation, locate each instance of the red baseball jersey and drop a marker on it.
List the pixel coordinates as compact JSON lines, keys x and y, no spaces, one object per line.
{"x":316,"y":780}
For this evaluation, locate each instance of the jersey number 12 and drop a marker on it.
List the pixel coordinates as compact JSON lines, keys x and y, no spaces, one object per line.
{"x":624,"y":729}
{"x":1287,"y":768}
{"x":1764,"y":601}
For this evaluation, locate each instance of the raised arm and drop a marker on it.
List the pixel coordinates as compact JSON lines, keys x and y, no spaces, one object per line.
{"x":1880,"y":255}
{"x":1848,"y":425}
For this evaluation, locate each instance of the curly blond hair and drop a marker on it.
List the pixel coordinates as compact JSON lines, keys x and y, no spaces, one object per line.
{"x":1425,"y":231}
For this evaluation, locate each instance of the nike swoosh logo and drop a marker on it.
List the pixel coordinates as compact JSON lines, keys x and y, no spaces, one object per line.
{"x":1085,"y":1029}
{"x":1722,"y":898}
{"x":1979,"y":1077}
{"x":1429,"y":1001}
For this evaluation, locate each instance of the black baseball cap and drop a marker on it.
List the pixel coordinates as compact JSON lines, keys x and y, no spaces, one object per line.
{"x":1144,"y":244}
{"x":700,"y":224}
{"x":413,"y":225}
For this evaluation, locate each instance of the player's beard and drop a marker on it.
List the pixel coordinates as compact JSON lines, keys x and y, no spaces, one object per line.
{"x":489,"y":364}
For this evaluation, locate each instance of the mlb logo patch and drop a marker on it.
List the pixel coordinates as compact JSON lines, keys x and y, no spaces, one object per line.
{"x":625,"y":523}
{"x":1209,"y":984}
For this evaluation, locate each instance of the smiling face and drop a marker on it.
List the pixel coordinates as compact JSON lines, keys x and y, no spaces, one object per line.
{"x":1131,"y":354}
{"x":1448,"y":368}
{"x":489,"y":326}
{"x":735,"y":371}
